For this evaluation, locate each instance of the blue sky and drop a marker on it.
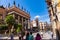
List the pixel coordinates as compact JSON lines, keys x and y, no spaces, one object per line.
{"x":37,"y":8}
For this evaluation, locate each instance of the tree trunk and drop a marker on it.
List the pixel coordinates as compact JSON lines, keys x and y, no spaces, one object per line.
{"x":9,"y":28}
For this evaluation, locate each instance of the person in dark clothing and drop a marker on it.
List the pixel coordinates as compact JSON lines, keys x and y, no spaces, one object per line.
{"x":31,"y":36}
{"x":12,"y":37}
{"x":20,"y":38}
{"x":52,"y":35}
{"x":57,"y":34}
{"x":27,"y":36}
{"x":38,"y":37}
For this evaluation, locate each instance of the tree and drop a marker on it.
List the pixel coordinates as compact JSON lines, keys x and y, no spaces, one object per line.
{"x":10,"y":21}
{"x":3,"y":28}
{"x":19,"y":28}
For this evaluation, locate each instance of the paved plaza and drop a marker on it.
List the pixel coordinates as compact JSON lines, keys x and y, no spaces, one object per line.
{"x":46,"y":36}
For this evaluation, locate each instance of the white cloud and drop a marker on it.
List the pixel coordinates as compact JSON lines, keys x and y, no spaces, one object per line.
{"x":37,"y":16}
{"x":43,"y":18}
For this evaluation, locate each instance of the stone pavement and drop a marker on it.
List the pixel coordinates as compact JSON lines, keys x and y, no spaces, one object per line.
{"x":46,"y":36}
{"x":49,"y":39}
{"x":15,"y":38}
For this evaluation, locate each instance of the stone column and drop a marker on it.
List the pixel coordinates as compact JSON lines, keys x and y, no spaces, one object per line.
{"x":3,"y":16}
{"x":28,"y":24}
{"x":54,"y":28}
{"x":25,"y":23}
{"x":18,"y":19}
{"x":14,"y":16}
{"x":22,"y":21}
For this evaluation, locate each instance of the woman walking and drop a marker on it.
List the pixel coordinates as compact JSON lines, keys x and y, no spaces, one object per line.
{"x":38,"y":37}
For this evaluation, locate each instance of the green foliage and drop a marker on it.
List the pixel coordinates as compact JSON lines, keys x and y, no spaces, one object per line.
{"x":15,"y":25}
{"x":10,"y":20}
{"x":19,"y":27}
{"x":3,"y":27}
{"x":18,"y":30}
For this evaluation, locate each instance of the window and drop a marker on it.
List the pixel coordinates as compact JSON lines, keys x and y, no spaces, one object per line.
{"x":0,"y":16}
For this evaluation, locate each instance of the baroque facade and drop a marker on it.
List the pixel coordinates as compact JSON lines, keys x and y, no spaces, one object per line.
{"x":19,"y":15}
{"x":54,"y":13}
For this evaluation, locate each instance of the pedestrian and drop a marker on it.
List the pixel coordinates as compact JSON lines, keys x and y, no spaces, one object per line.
{"x":27,"y":36}
{"x":31,"y":36}
{"x":20,"y":38}
{"x":24,"y":37}
{"x":12,"y":36}
{"x":58,"y":35}
{"x":52,"y":36}
{"x":38,"y":37}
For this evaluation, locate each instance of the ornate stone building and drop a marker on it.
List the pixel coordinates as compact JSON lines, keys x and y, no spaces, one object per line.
{"x":19,"y":15}
{"x":43,"y":26}
{"x":2,"y":14}
{"x":35,"y":25}
{"x":54,"y":13}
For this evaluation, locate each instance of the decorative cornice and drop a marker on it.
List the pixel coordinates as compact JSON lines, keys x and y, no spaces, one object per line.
{"x":19,"y":11}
